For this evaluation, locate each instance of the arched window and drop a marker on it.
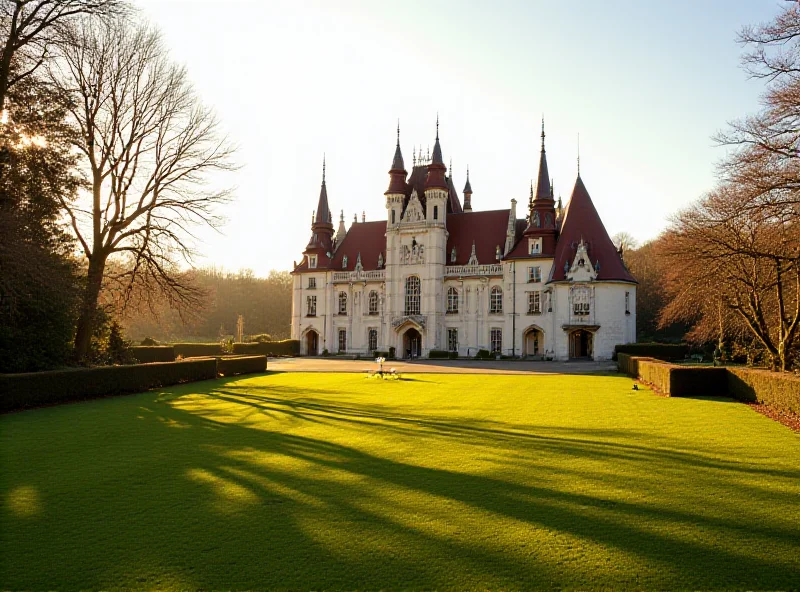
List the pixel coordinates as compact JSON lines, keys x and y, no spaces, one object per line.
{"x":413,"y":294}
{"x":496,"y":300}
{"x":342,"y":303}
{"x":452,"y":301}
{"x":373,"y":303}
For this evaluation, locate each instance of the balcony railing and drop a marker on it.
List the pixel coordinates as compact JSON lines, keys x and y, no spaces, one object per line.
{"x":473,"y":270}
{"x":359,"y":276}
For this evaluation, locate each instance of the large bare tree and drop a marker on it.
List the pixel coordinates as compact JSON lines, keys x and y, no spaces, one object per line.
{"x":28,"y":29}
{"x":149,"y":147}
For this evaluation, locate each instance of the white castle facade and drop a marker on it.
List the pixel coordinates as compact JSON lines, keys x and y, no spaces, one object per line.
{"x":436,"y":275}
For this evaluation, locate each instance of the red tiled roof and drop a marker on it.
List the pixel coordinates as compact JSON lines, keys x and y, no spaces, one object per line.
{"x":487,"y":229}
{"x":582,"y":222}
{"x":366,"y":238}
{"x":417,"y":181}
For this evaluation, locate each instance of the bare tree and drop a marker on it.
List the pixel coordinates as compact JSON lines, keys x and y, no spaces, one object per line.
{"x":149,"y":146}
{"x":624,"y":241}
{"x":29,"y":27}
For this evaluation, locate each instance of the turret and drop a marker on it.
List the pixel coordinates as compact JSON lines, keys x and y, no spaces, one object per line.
{"x":436,"y":188}
{"x":320,"y":245}
{"x":467,"y":195}
{"x":395,"y":194}
{"x":541,"y":230}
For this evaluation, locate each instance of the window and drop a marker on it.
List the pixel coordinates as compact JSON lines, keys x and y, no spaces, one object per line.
{"x":497,"y":340}
{"x":535,"y":246}
{"x":312,"y":283}
{"x":496,"y":300}
{"x":312,"y":261}
{"x":534,"y":274}
{"x":452,"y":340}
{"x":413,"y":294}
{"x":311,"y":306}
{"x":580,"y":308}
{"x":534,"y":302}
{"x":373,"y":303}
{"x":627,"y":303}
{"x":393,"y":215}
{"x":372,"y":339}
{"x":342,"y":340}
{"x":435,"y":212}
{"x":453,"y":255}
{"x":342,"y":303}
{"x":452,"y":301}
{"x":344,"y":262}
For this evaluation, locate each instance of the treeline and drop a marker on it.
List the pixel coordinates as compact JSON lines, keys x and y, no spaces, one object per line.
{"x":264,"y":303}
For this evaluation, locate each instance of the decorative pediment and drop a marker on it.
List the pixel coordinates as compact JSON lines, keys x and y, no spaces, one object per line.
{"x":414,"y":212}
{"x":473,"y":258}
{"x":359,"y":267}
{"x":581,"y":269}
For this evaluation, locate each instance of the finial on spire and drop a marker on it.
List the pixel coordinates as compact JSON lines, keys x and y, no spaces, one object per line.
{"x":451,"y":167}
{"x":542,"y":132}
{"x":579,"y":154}
{"x":437,"y":125}
{"x":467,"y":172}
{"x":323,"y":168}
{"x":414,"y":156}
{"x":398,"y":131}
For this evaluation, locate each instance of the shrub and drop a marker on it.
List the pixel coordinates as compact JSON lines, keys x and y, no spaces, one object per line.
{"x":154,"y":353}
{"x":380,"y":354}
{"x":149,"y":341}
{"x":673,"y":380}
{"x":392,"y":353}
{"x":438,"y":354}
{"x":659,"y":351}
{"x":261,"y":337}
{"x":779,"y":391}
{"x":242,"y":365}
{"x":19,"y":391}
{"x":484,"y":354}
{"x":196,"y":350}
{"x":288,"y":347}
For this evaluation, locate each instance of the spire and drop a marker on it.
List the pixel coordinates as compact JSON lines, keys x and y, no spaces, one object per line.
{"x":436,"y":168}
{"x":543,"y":182}
{"x":467,"y":194}
{"x":437,"y":149}
{"x":397,"y":162}
{"x":323,"y":215}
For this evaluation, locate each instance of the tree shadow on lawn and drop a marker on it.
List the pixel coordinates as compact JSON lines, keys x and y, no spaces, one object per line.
{"x":222,"y":504}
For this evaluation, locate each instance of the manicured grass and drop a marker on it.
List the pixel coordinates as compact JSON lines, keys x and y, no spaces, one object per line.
{"x":336,"y":481}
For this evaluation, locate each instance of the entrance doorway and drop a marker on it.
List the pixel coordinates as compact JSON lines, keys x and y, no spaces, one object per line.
{"x":412,"y":344}
{"x":533,"y":342}
{"x":580,"y":344}
{"x":312,"y":343}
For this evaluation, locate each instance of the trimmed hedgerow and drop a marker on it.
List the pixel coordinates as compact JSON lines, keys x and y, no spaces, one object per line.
{"x":484,"y":354}
{"x":287,"y":347}
{"x":659,"y":351}
{"x":438,"y":354}
{"x":146,"y":354}
{"x":197,"y":350}
{"x":242,"y":365}
{"x":19,"y":391}
{"x":776,"y":390}
{"x":698,"y":381}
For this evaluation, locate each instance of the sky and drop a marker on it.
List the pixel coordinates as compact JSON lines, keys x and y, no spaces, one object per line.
{"x":646,"y":84}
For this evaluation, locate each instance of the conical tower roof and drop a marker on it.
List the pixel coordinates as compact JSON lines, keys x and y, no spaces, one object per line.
{"x":543,"y":182}
{"x":323,"y":210}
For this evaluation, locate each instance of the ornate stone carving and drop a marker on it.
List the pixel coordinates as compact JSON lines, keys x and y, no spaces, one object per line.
{"x":412,"y":254}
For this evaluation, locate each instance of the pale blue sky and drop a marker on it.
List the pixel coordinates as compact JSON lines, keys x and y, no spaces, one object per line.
{"x":645,"y":84}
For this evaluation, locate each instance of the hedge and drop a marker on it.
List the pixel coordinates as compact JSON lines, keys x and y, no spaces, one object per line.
{"x":659,"y":351}
{"x":440,"y":354}
{"x":242,"y":365}
{"x":197,"y":350}
{"x":145,"y":354}
{"x":19,"y":391}
{"x":484,"y":354}
{"x":287,"y":347}
{"x":779,"y":391}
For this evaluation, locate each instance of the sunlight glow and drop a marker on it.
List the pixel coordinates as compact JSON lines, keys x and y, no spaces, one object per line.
{"x":24,"y":501}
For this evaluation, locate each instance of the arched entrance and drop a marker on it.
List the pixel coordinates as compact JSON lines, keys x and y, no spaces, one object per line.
{"x":533,"y":342}
{"x":581,"y":344}
{"x":311,"y":343}
{"x":412,"y":344}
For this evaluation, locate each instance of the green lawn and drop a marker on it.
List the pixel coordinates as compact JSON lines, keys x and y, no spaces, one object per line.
{"x":336,"y":481}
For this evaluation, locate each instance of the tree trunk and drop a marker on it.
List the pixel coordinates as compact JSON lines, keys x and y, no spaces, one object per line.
{"x":91,"y":294}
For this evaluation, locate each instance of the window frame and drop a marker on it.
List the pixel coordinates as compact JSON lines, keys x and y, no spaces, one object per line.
{"x":452,"y":339}
{"x":496,"y":300}
{"x":496,"y":340}
{"x":372,"y":332}
{"x":342,"y":303}
{"x":535,"y":302}
{"x":452,"y":300}
{"x":342,"y":337}
{"x":311,"y":305}
{"x":535,"y":274}
{"x":412,"y":295}
{"x":373,"y":299}
{"x":312,"y":283}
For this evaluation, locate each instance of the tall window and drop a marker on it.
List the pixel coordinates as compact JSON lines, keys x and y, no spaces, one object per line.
{"x":452,"y":340}
{"x":627,"y":303}
{"x":413,"y":293}
{"x":311,"y":306}
{"x":342,"y":340}
{"x":342,"y":303}
{"x":373,"y":303}
{"x":535,"y":274}
{"x":312,"y":261}
{"x":372,"y":339}
{"x":393,"y":217}
{"x":452,"y":301}
{"x":497,"y":340}
{"x":534,"y":302}
{"x":496,"y":300}
{"x":435,"y":212}
{"x":312,"y":283}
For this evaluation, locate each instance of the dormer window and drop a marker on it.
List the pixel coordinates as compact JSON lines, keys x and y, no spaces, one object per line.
{"x":312,"y":261}
{"x":344,"y":262}
{"x":380,"y":260}
{"x":535,"y":246}
{"x":453,"y":255}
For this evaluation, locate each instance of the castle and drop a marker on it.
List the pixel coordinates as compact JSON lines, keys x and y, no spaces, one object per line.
{"x":437,"y":275}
